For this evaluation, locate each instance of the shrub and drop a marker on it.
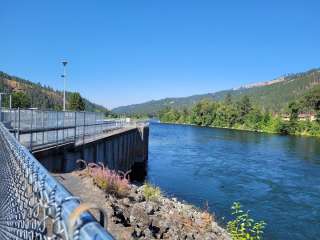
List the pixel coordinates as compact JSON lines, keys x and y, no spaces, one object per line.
{"x":150,"y":192}
{"x":284,"y":128}
{"x":108,"y":180}
{"x":243,"y":227}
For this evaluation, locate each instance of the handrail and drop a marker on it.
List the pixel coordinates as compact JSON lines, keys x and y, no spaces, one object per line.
{"x":36,"y":127}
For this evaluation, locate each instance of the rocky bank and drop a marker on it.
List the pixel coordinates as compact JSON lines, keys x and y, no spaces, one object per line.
{"x":134,"y":217}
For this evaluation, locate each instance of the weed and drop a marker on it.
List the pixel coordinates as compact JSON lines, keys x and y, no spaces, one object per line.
{"x":243,"y":227}
{"x":150,"y":192}
{"x":108,"y":180}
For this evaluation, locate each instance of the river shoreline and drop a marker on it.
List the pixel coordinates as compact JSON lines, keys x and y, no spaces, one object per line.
{"x":241,"y":129}
{"x":134,"y":217}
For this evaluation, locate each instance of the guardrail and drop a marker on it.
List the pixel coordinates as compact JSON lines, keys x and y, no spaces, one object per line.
{"x":36,"y":128}
{"x":34,"y":205}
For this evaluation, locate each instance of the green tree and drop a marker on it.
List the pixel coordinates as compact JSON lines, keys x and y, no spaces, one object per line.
{"x":294,"y":109}
{"x":312,"y":101}
{"x":76,"y":102}
{"x":20,"y":100}
{"x":244,"y":107}
{"x":228,"y":99}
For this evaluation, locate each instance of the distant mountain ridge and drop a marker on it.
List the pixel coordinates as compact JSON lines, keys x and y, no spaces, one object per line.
{"x":42,"y":97}
{"x":261,"y":84}
{"x":273,"y":95}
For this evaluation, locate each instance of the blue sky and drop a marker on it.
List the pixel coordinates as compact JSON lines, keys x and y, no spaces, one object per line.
{"x":124,"y":52}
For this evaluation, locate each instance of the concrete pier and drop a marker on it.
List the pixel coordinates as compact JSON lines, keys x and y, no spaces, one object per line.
{"x":123,"y":149}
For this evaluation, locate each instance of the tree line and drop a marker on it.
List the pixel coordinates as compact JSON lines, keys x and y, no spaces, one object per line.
{"x":27,"y":94}
{"x":243,"y":114}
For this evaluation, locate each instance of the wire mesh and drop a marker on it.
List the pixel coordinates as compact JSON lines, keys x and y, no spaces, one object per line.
{"x":33,"y":205}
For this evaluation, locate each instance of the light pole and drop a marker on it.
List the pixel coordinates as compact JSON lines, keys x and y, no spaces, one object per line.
{"x":64,"y":76}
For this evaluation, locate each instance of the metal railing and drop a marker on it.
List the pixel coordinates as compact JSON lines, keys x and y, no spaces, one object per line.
{"x":34,"y":205}
{"x":36,"y":128}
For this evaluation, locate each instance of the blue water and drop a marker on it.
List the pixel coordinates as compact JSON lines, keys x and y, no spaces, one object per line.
{"x":276,"y":177}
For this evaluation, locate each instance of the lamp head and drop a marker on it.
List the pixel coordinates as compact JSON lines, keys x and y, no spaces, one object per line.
{"x":64,"y":62}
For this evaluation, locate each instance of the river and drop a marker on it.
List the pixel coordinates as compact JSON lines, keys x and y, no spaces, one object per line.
{"x":276,"y":177}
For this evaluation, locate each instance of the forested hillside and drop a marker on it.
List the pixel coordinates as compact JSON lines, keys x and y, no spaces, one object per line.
{"x":273,"y":96}
{"x":302,"y":118}
{"x":38,"y":96}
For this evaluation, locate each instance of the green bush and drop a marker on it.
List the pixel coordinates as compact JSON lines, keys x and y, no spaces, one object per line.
{"x":243,"y":227}
{"x":150,"y":192}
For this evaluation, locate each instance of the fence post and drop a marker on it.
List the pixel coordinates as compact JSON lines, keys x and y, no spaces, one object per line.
{"x":57,"y":131}
{"x":84,"y":126}
{"x":10,"y":117}
{"x":0,"y":107}
{"x":19,"y":124}
{"x":95,"y":124}
{"x":42,"y":124}
{"x":63,"y":120}
{"x":31,"y":126}
{"x":75,"y":126}
{"x":15,"y":123}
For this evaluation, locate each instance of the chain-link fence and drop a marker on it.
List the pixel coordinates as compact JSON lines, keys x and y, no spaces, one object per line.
{"x":33,"y":205}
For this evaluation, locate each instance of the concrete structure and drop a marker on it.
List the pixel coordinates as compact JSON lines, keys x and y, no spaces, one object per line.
{"x":59,"y":139}
{"x":122,"y":149}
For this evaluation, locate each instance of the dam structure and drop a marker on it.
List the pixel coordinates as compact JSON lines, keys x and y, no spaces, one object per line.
{"x":35,"y":143}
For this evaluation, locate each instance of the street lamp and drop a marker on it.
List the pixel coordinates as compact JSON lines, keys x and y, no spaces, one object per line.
{"x":64,"y":76}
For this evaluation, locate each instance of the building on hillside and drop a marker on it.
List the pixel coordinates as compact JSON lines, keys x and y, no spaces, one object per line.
{"x":301,"y":117}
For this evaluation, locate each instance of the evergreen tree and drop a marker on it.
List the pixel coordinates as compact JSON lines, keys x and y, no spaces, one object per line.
{"x":76,"y":102}
{"x":20,"y":100}
{"x":244,"y":106}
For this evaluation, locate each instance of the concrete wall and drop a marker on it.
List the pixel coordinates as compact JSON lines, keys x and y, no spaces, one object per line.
{"x":124,"y":150}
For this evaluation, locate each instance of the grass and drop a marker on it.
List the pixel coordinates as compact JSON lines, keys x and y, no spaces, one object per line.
{"x":151,"y":193}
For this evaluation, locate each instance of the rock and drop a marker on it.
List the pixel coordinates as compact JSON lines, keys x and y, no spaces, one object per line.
{"x":148,"y":234}
{"x":137,"y":233}
{"x":154,"y":229}
{"x":140,"y":215}
{"x":126,"y":201}
{"x":151,"y":207}
{"x":136,"y":197}
{"x":190,"y":236}
{"x":120,"y":216}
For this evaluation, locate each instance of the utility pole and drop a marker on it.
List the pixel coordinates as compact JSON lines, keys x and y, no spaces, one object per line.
{"x":64,"y":76}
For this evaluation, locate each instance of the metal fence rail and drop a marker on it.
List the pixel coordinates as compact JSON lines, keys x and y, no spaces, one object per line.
{"x":33,"y":205}
{"x":36,"y":128}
